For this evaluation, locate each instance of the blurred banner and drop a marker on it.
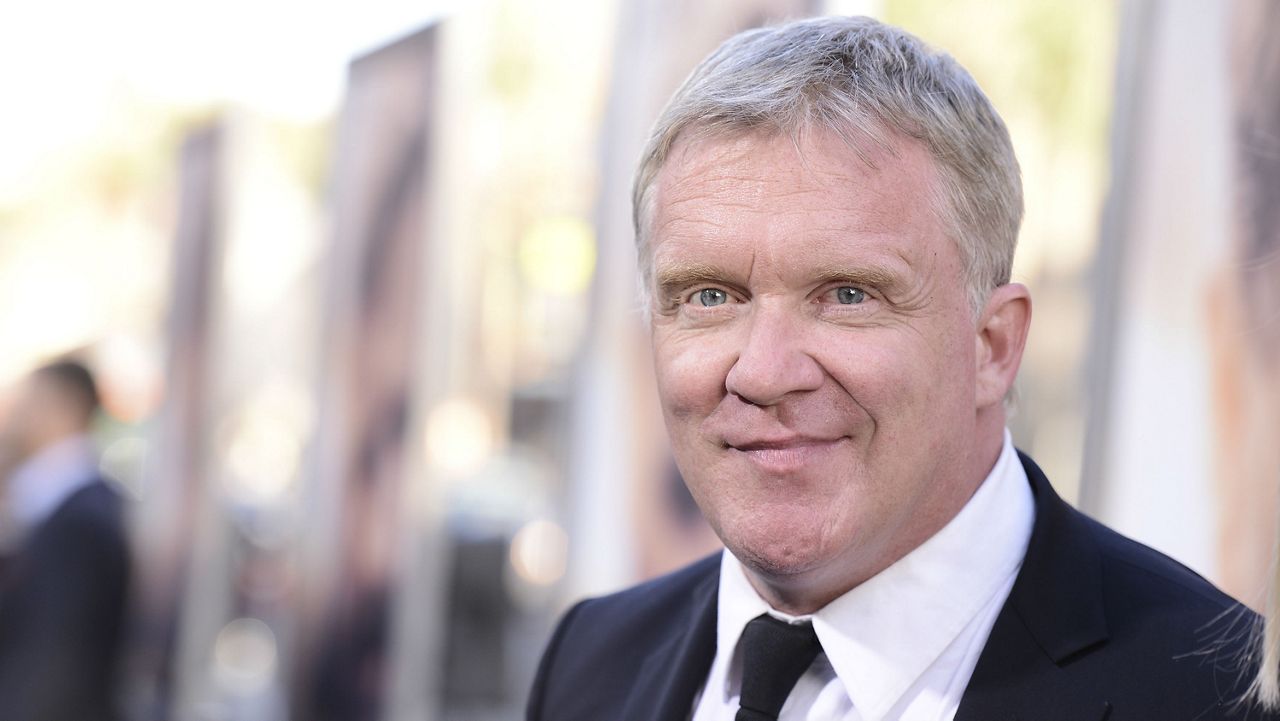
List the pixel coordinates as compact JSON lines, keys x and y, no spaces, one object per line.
{"x":174,"y":477}
{"x":226,"y":499}
{"x":1245,"y":313}
{"x":360,"y":453}
{"x":1182,"y":449}
{"x":217,"y":513}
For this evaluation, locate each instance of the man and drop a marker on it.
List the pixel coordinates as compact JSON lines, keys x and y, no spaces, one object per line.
{"x":826,"y":217}
{"x":62,"y":599}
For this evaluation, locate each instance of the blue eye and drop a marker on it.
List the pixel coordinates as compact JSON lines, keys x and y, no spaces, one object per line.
{"x":848,"y":295}
{"x":712,"y":296}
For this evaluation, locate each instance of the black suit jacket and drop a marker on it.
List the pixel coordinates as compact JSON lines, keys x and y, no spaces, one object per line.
{"x":1096,"y":628}
{"x":62,"y":607}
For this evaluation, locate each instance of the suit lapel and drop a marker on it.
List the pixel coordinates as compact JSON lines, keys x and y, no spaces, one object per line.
{"x":672,"y":674}
{"x":1054,"y":613}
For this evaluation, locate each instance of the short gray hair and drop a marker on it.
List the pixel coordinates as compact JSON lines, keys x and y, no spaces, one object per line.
{"x":859,"y":78}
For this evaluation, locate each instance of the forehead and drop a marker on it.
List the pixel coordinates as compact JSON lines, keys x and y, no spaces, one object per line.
{"x":820,"y":151}
{"x":48,"y":388}
{"x":40,"y":382}
{"x":815,"y":193}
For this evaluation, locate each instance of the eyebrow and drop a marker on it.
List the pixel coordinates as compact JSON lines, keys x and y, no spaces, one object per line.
{"x":869,"y":275}
{"x":684,"y":275}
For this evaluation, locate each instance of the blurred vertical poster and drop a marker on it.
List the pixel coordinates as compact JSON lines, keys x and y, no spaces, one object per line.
{"x":1186,"y":407}
{"x":1246,"y":327}
{"x":174,"y":478}
{"x":368,"y":356}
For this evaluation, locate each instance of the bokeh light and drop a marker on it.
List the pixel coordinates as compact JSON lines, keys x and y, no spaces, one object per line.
{"x":539,"y":551}
{"x":459,"y":436}
{"x":245,"y":657}
{"x":558,"y":255}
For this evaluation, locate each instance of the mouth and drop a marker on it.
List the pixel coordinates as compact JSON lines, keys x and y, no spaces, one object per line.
{"x":786,"y":455}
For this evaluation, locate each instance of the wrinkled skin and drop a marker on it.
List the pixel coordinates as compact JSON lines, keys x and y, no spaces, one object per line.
{"x":831,"y":398}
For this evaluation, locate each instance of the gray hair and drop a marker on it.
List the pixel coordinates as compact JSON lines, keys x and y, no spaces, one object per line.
{"x":859,"y":78}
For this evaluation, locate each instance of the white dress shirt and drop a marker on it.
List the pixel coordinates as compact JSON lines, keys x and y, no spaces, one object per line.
{"x":48,"y":478}
{"x":902,"y":645}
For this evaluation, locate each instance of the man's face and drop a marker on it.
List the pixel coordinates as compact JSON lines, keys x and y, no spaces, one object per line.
{"x":815,"y":351}
{"x":31,"y":416}
{"x":22,"y":410}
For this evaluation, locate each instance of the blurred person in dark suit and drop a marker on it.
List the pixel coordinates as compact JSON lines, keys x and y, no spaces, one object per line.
{"x":63,"y":594}
{"x":826,"y":215}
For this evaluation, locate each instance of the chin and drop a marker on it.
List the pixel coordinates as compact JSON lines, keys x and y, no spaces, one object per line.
{"x":789,"y":551}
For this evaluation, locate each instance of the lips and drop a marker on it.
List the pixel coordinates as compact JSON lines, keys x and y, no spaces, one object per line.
{"x":783,"y":455}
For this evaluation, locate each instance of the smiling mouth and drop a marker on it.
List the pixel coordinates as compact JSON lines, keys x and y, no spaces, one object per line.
{"x":786,"y":456}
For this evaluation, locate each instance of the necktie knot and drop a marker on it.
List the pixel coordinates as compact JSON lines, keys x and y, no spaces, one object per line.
{"x":775,"y":654}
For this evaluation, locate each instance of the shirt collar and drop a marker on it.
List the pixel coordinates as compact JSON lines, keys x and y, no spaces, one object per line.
{"x":49,"y":477}
{"x":928,"y":596}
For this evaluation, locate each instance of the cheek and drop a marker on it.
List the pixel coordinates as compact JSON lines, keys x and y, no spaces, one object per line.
{"x":691,"y":373}
{"x":872,"y":368}
{"x":956,"y":361}
{"x":895,"y":375}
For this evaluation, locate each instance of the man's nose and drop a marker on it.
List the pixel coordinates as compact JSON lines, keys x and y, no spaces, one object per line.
{"x":773,"y":360}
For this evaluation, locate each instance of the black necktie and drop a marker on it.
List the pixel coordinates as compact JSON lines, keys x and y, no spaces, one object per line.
{"x":775,"y":655}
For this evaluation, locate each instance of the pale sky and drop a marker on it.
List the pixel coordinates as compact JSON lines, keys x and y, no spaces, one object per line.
{"x":66,"y":64}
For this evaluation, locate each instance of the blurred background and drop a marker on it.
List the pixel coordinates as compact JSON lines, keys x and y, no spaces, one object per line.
{"x":357,"y":283}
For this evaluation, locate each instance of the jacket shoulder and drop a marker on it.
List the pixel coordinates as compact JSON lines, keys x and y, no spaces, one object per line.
{"x":659,"y":597}
{"x":1097,"y":620}
{"x":604,"y":641}
{"x":1133,"y":567}
{"x":91,"y":521}
{"x":1152,"y":595}
{"x":1174,"y":638}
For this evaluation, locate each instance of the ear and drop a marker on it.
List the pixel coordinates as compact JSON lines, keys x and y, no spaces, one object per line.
{"x":1001,"y":336}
